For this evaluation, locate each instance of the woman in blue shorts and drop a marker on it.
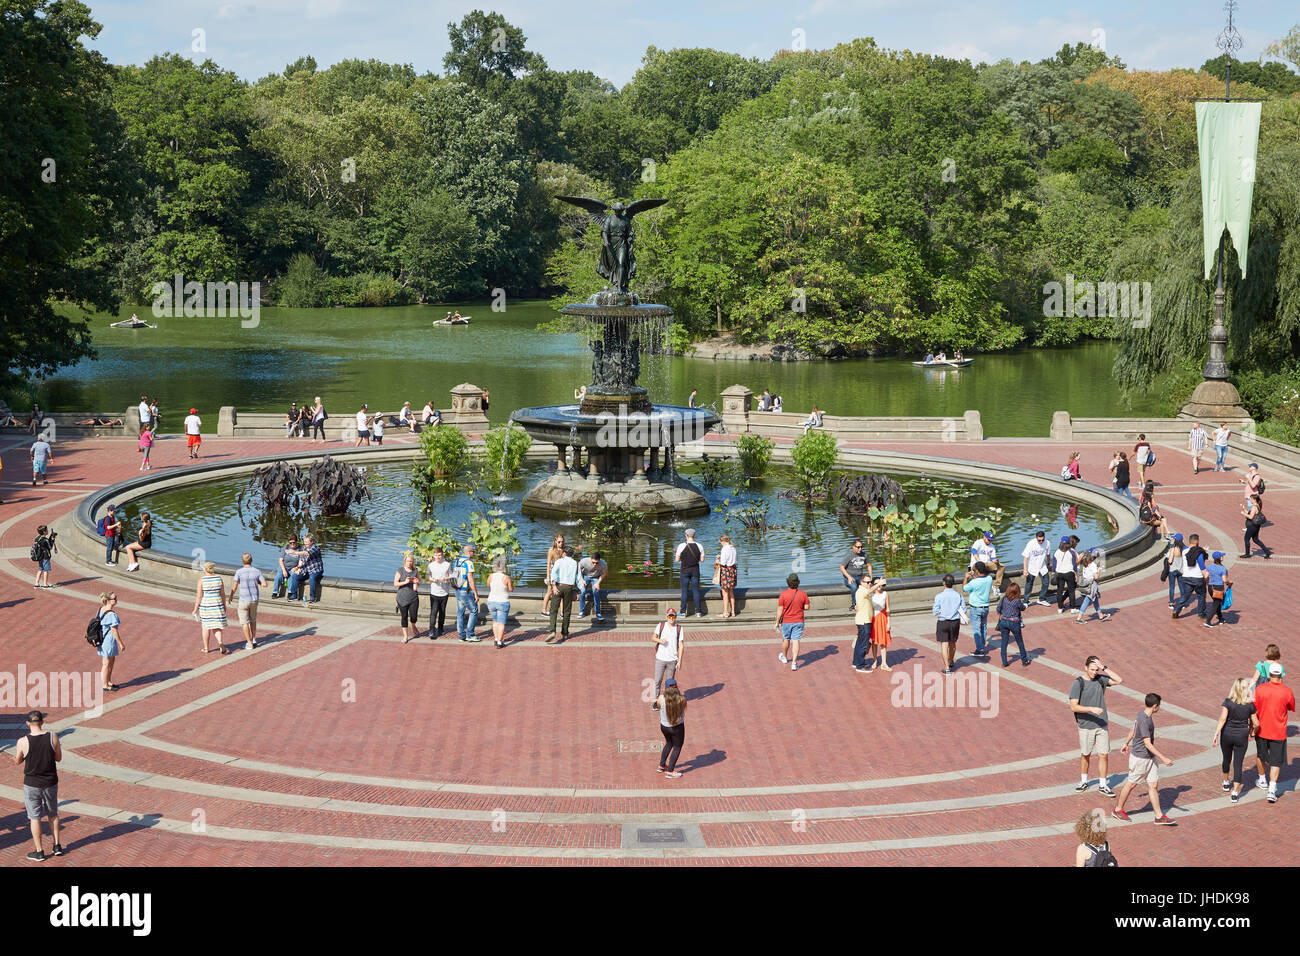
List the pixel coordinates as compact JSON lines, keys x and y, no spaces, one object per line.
{"x":112,"y":644}
{"x":498,"y":600}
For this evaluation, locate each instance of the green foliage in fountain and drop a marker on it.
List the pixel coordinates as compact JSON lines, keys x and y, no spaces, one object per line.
{"x":754,"y":454}
{"x":941,"y":524}
{"x":611,"y":523}
{"x":446,"y":452}
{"x":505,"y":448}
{"x":814,"y":456}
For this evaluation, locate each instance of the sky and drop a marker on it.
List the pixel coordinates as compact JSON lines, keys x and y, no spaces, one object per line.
{"x":609,"y":37}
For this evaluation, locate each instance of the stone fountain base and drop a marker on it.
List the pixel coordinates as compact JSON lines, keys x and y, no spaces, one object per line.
{"x":570,"y":494}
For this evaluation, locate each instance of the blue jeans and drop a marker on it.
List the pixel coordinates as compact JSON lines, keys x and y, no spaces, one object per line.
{"x":1010,"y":630}
{"x":280,"y":578}
{"x":111,"y":547}
{"x":1045,"y":578}
{"x":691,"y":580}
{"x":466,"y":613}
{"x":1174,"y":578}
{"x":313,"y":583}
{"x":860,"y":645}
{"x":1220,"y":455}
{"x":1087,"y":602}
{"x":1128,"y":494}
{"x":1191,"y":586}
{"x":852,"y":584}
{"x":588,"y":587}
{"x":979,"y":621}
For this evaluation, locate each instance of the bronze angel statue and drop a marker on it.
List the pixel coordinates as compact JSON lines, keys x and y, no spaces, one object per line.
{"x":617,"y":264}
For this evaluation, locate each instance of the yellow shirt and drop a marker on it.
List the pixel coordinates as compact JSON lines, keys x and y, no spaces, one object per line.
{"x":866,"y":610}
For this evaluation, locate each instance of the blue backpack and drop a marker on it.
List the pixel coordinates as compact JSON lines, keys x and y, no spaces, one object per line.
{"x":101,"y":528}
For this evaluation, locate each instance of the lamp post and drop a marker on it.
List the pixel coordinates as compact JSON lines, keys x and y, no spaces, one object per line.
{"x":1216,"y":397}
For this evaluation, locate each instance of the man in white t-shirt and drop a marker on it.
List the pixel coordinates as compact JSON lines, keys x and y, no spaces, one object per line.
{"x":146,"y":416}
{"x":363,"y":426}
{"x":982,"y":549}
{"x":192,"y":437}
{"x":668,"y":655}
{"x":439,"y":577}
{"x":1035,"y":557}
{"x":1221,"y":436}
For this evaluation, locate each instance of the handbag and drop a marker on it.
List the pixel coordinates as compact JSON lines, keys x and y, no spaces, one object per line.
{"x":1227,"y":598}
{"x":1164,"y":571}
{"x":717,"y":574}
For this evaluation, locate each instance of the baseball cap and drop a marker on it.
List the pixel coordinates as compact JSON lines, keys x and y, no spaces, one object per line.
{"x":1065,"y":540}
{"x":672,"y":612}
{"x":364,"y":405}
{"x":670,"y":682}
{"x":1216,"y":555}
{"x":988,"y":535}
{"x":35,"y":717}
{"x":1253,"y":465}
{"x":112,"y":507}
{"x":194,"y":411}
{"x":1178,"y":538}
{"x":1275,"y":669}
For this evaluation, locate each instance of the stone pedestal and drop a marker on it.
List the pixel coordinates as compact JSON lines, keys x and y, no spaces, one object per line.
{"x":737,"y":403}
{"x":467,"y":405}
{"x":567,"y":494}
{"x":1215,"y":400}
{"x":1062,"y":427}
{"x":227,"y":419}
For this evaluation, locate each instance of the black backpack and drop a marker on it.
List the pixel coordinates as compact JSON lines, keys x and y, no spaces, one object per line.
{"x":1101,"y":856}
{"x":37,"y":553}
{"x":95,"y":633}
{"x":1260,"y":489}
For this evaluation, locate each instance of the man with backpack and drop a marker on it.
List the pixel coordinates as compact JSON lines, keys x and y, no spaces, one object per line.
{"x":109,"y":528}
{"x":1193,"y":580}
{"x":1087,"y":698}
{"x":668,"y":652}
{"x":1254,"y":482}
{"x":466,"y":595}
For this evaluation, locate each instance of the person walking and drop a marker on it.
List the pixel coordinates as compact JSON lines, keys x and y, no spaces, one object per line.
{"x":1064,"y":564}
{"x":466,"y":595}
{"x":725,"y":572}
{"x":42,"y":550}
{"x":1113,"y":465}
{"x":210,"y":606}
{"x":1253,"y":512}
{"x":591,"y":576}
{"x":193,"y":436}
{"x":1011,"y":610}
{"x":110,"y":527}
{"x":143,"y":542}
{"x":1217,"y":583}
{"x":39,"y":753}
{"x":1197,"y":439}
{"x":1087,"y":696}
{"x":1143,"y":457}
{"x":318,"y":419}
{"x":1090,"y":584}
{"x":1254,"y":482}
{"x":790,"y":608}
{"x":1140,"y":745}
{"x":1094,"y":847}
{"x":1034,"y":558}
{"x":1237,"y":724}
{"x":863,"y":619}
{"x":1273,"y":701}
{"x":288,"y":553}
{"x":564,"y":580}
{"x":111,"y":643}
{"x":406,"y":580}
{"x":311,"y":568}
{"x":145,"y":447}
{"x":1193,"y":581}
{"x":498,"y":600}
{"x":41,"y":455}
{"x":1221,"y":436}
{"x":949,"y":608}
{"x":689,"y":555}
{"x":672,"y":721}
{"x":440,"y":576}
{"x":670,"y":643}
{"x":853,"y":568}
{"x":1122,"y":477}
{"x":246,"y":587}
{"x":978,"y":583}
{"x":881,"y":637}
{"x":1173,"y":568}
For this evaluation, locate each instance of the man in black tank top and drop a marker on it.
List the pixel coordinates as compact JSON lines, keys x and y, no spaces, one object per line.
{"x":40,"y":751}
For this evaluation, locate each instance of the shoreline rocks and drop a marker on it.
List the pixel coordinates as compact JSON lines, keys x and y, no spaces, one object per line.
{"x":725,"y":348}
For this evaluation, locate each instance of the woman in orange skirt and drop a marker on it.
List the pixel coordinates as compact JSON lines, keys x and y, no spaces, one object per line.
{"x":880,"y":625}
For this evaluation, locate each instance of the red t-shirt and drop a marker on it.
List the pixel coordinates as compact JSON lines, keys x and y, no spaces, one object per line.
{"x":1272,"y":701}
{"x":792,"y":604}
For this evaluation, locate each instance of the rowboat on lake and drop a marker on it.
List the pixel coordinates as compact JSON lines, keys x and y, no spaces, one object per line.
{"x":945,"y":363}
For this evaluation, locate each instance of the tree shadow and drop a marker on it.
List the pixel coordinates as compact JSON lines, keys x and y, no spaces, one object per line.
{"x":714,"y":756}
{"x":699,"y":693}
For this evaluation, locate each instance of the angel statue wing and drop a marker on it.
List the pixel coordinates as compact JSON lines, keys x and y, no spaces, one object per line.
{"x":593,"y":206}
{"x":641,"y":205}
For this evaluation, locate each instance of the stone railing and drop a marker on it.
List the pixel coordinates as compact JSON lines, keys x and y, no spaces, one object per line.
{"x":466,"y":413}
{"x":55,"y":423}
{"x":739,"y":416}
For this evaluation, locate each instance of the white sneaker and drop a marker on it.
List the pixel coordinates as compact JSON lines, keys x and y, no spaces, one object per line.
{"x":782,"y":658}
{"x":133,"y":565}
{"x":248,"y":645}
{"x":794,"y":666}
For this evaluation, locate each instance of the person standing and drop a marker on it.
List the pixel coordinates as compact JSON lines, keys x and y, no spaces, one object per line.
{"x":318,"y":419}
{"x":406,"y":580}
{"x":112,"y":527}
{"x":669,"y":640}
{"x":1197,"y":439}
{"x":248,"y":582}
{"x":1087,"y":698}
{"x":1011,"y":610}
{"x":1090,"y":582}
{"x":863,"y":619}
{"x":41,"y":455}
{"x":1193,"y":581}
{"x":146,"y":413}
{"x":553,"y":554}
{"x":145,"y":447}
{"x":672,"y":721}
{"x":193,"y":436}
{"x":1273,"y":701}
{"x":288,"y":553}
{"x":43,"y":549}
{"x":1064,"y":564}
{"x":1142,"y":761}
{"x":498,"y":600}
{"x":439,"y":576}
{"x":39,"y":753}
{"x":564,"y":579}
{"x":111,"y":643}
{"x":377,"y":428}
{"x":363,"y":426}
{"x":726,"y":571}
{"x":1122,"y":477}
{"x":691,"y":399}
{"x":790,"y":608}
{"x":1034,"y":558}
{"x":853,"y":568}
{"x":948,"y":608}
{"x":591,"y":576}
{"x":466,"y":596}
{"x":157,"y":418}
{"x":880,"y":633}
{"x":689,"y":555}
{"x":979,"y":585}
{"x":1237,"y":724}
{"x":1217,"y":583}
{"x":1221,"y":436}
{"x":1253,"y":512}
{"x":210,"y":606}
{"x":1174,"y":565}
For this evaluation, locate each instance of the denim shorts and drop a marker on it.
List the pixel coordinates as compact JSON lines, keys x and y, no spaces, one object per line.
{"x":792,"y":632}
{"x":44,"y":564}
{"x":499,"y":610}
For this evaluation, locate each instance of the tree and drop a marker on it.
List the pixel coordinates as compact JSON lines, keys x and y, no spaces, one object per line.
{"x":486,"y":51}
{"x":62,"y":150}
{"x":695,"y":88}
{"x":1287,"y":48}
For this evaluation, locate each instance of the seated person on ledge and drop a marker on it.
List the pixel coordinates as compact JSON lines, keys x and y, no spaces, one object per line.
{"x":101,"y":422}
{"x":814,"y":420}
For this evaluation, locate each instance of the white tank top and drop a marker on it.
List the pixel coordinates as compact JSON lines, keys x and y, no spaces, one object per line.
{"x":497,"y":593}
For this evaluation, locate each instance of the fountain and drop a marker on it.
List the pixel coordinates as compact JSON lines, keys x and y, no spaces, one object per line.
{"x":615,"y":447}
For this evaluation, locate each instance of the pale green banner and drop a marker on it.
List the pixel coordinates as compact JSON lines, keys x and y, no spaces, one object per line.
{"x":1227,"y":136}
